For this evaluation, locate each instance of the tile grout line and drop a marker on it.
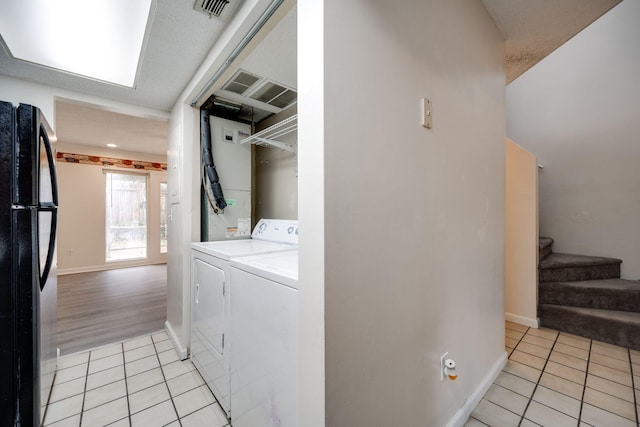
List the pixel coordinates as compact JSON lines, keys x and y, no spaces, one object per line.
{"x":586,"y":372}
{"x":126,"y":385}
{"x":519,"y":341}
{"x":539,"y":378}
{"x":603,"y":408}
{"x":84,"y":393}
{"x":597,"y":376}
{"x":633,"y":388}
{"x":175,"y":408}
{"x":123,"y":364}
{"x":584,"y":387}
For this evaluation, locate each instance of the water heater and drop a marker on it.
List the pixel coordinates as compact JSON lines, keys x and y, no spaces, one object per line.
{"x":233,"y":164}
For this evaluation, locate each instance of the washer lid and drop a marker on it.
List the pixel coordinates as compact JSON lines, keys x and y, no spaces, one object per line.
{"x":280,"y":267}
{"x":227,"y":249}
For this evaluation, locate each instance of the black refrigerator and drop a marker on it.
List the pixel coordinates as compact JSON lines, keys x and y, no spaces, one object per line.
{"x":28,"y":284}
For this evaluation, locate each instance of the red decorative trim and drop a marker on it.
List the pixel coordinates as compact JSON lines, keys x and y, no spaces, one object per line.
{"x":109,"y":161}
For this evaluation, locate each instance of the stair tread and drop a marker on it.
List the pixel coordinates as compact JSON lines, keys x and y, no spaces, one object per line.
{"x":543,"y":242}
{"x":608,"y":284}
{"x":628,"y":317}
{"x":560,"y":260}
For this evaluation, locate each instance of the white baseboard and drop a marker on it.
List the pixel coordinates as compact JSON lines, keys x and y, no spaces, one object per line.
{"x":180,"y":349}
{"x":521,"y":320}
{"x":103,"y":267}
{"x":463,"y":414}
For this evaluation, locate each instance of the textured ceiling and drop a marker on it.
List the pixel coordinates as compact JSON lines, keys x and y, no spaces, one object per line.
{"x":179,"y":40}
{"x":535,"y":28}
{"x":82,"y":124}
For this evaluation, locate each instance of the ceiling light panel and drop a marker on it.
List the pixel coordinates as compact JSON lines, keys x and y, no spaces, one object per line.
{"x":100,"y":39}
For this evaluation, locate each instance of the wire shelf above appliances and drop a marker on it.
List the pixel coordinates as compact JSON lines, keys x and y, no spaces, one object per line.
{"x":271,"y":136}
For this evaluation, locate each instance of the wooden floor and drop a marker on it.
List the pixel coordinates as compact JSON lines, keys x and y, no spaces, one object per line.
{"x":109,"y":306}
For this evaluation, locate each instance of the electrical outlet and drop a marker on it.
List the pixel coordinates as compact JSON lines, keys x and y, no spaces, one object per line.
{"x":442,"y":359}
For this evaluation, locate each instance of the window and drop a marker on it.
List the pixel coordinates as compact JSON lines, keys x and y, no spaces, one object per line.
{"x":126,"y":216}
{"x":163,"y":217}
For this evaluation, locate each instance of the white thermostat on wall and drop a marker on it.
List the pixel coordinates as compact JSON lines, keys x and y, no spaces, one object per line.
{"x":229,"y":135}
{"x":233,"y":136}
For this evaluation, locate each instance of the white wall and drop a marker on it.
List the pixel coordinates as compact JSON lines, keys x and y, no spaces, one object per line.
{"x":275,"y":177}
{"x":276,"y":183}
{"x":521,"y":236}
{"x":44,"y":97}
{"x":413,"y":219}
{"x":183,"y":228}
{"x":577,"y":111}
{"x":81,"y":187}
{"x":311,"y":208}
{"x":81,"y":232}
{"x":20,"y":91}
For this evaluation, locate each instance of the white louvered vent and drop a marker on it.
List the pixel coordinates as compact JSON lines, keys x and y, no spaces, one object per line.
{"x":274,"y":94}
{"x":241,"y":82}
{"x":221,"y":9}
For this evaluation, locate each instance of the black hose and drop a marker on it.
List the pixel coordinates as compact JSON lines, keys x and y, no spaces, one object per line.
{"x":207,"y":159}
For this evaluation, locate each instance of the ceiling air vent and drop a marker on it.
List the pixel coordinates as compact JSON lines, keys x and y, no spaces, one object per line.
{"x":274,"y":94}
{"x":221,"y":9}
{"x":241,"y":82}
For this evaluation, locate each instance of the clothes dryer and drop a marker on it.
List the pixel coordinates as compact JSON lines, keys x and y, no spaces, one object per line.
{"x":210,"y":277}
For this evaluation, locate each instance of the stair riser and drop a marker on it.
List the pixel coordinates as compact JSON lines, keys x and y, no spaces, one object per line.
{"x":570,"y":274}
{"x":606,"y":330}
{"x":544,"y":252}
{"x":590,"y":298}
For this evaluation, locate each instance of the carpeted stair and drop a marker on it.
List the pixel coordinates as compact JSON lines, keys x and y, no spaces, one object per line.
{"x":567,"y":267}
{"x":585,"y":296}
{"x":544,"y":247}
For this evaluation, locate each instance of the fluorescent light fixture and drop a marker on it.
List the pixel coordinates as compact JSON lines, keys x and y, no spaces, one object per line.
{"x":100,"y":39}
{"x":111,"y":145}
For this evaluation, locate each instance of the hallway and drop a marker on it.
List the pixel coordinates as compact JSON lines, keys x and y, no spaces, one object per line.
{"x":105,"y":307}
{"x":556,"y":379}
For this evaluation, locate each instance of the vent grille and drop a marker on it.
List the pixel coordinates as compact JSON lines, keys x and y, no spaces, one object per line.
{"x":285,"y":98}
{"x":211,"y":7}
{"x":222,"y":10}
{"x":257,"y":90}
{"x":274,"y":94}
{"x":241,"y":82}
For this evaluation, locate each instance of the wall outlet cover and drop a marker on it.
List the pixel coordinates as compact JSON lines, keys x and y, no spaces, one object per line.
{"x":442,"y":365}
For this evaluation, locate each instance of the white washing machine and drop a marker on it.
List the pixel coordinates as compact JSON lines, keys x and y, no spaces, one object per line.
{"x":210,"y":280}
{"x":264,"y":346}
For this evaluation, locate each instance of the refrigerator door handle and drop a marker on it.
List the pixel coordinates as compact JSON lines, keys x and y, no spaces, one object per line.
{"x":49,"y":206}
{"x":52,"y":164}
{"x":52,"y":243}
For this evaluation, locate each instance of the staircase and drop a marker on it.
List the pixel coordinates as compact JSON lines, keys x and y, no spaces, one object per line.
{"x":585,"y":296}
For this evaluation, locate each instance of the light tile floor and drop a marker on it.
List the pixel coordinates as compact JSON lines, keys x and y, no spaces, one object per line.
{"x":554,"y":379}
{"x":140,"y":382}
{"x":551,"y":379}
